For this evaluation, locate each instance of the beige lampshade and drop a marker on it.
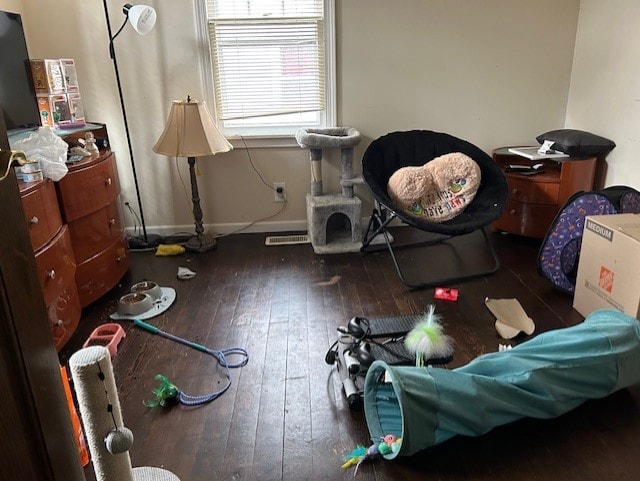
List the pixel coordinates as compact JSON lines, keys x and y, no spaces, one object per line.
{"x":191,"y":132}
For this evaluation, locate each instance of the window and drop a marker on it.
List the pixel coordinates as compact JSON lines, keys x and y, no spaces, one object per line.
{"x":270,"y":65}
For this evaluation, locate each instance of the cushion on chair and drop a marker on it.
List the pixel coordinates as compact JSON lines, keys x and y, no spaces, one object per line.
{"x":438,"y":190}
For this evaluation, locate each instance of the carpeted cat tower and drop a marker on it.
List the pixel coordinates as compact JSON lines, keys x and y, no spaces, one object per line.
{"x":109,"y":441}
{"x":335,"y":214}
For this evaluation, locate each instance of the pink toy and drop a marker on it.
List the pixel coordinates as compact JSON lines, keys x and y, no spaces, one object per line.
{"x":108,"y":335}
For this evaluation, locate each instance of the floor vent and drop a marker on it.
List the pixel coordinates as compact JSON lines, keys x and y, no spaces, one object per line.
{"x":280,"y":240}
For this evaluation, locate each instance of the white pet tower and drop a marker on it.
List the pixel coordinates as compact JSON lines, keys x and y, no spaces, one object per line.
{"x":109,"y":441}
{"x":333,"y":220}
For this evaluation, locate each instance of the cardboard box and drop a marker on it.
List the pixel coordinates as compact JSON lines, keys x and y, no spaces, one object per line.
{"x":44,"y":108}
{"x":69,"y":75}
{"x":609,"y":265}
{"x":47,"y":76}
{"x":76,"y":108}
{"x":57,"y":113}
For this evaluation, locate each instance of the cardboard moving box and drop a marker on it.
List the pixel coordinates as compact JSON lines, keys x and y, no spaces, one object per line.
{"x":609,"y":266}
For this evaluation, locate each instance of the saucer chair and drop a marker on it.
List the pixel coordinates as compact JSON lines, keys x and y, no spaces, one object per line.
{"x":392,"y":151}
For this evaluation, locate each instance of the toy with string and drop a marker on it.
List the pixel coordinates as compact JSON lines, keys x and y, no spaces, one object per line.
{"x":380,"y":447}
{"x":168,"y":393}
{"x":428,"y":341}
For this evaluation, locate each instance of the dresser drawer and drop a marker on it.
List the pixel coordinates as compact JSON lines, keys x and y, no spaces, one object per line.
{"x":85,"y":190}
{"x":41,"y":213}
{"x":64,"y":315}
{"x":95,"y":232}
{"x":56,"y":266}
{"x":534,"y":192}
{"x":100,"y":273}
{"x":531,"y":220}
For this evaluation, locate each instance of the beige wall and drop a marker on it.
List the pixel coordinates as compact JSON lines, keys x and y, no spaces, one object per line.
{"x":604,"y":97}
{"x":496,"y":72}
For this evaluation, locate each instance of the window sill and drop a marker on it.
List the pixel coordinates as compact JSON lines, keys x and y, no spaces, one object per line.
{"x":264,"y":142}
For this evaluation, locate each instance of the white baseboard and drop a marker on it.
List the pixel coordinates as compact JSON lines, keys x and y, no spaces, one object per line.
{"x":246,"y":228}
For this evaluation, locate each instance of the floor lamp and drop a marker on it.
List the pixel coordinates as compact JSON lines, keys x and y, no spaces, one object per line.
{"x":142,"y":18}
{"x":191,"y":132}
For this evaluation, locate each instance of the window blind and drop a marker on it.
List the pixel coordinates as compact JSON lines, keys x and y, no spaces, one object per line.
{"x":268,"y":57}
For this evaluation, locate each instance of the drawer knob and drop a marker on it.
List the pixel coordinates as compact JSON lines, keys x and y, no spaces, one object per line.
{"x":60,"y":322}
{"x":512,"y":211}
{"x":51,"y":274}
{"x":514,"y":191}
{"x":112,"y":221}
{"x":34,"y":220}
{"x":108,"y":181}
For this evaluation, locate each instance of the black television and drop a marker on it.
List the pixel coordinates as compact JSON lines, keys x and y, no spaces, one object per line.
{"x":17,"y":95}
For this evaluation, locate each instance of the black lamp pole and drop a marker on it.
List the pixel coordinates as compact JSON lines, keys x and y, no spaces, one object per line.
{"x":112,"y":53}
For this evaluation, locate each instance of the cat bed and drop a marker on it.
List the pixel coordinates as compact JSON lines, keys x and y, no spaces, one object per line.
{"x":438,"y":190}
{"x":541,"y":378}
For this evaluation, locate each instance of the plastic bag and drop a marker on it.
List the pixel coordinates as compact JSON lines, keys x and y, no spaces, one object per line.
{"x":47,"y":148}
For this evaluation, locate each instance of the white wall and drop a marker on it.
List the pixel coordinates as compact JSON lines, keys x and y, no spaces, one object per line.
{"x":468,"y":67}
{"x":604,"y":97}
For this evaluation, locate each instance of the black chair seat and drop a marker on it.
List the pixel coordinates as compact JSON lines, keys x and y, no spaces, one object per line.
{"x":395,"y":150}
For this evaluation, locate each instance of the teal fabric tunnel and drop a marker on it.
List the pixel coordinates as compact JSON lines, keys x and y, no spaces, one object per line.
{"x":541,"y":378}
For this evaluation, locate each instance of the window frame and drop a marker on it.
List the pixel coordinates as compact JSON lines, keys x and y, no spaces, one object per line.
{"x":269,"y":136}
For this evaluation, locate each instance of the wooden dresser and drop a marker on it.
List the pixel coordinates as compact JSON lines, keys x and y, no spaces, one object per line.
{"x":88,"y":197}
{"x":77,"y":236}
{"x":534,"y":200}
{"x":54,"y":257}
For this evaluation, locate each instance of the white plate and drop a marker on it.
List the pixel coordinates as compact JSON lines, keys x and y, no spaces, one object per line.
{"x":159,"y":306}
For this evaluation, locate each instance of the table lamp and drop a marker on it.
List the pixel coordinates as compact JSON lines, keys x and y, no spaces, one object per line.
{"x":191,"y":132}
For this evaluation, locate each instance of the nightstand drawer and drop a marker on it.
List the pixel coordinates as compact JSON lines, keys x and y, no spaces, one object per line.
{"x":531,"y":220}
{"x":532,"y":191}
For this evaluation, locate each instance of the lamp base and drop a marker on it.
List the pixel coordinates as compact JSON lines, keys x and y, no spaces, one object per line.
{"x":139,"y":242}
{"x":201,"y":243}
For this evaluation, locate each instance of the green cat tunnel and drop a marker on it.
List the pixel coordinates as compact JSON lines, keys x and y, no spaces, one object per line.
{"x":541,"y":378}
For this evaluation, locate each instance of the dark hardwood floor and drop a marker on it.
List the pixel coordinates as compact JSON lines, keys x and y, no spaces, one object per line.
{"x":285,"y":417}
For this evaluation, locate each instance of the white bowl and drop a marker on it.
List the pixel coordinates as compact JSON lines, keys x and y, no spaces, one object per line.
{"x":147,"y":287}
{"x":134,"y":303}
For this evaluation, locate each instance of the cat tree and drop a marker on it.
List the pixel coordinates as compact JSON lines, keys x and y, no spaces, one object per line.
{"x":345,"y":231}
{"x":109,"y":441}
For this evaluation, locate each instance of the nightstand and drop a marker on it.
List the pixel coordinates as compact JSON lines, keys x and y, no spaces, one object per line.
{"x":535,"y":199}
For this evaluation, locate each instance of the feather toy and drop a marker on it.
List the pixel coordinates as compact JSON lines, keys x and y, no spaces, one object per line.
{"x":428,"y":340}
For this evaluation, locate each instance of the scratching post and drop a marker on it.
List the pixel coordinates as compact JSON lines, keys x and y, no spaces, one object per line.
{"x":95,"y":387}
{"x":321,"y":207}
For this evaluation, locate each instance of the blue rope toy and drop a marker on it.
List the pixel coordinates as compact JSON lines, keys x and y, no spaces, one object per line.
{"x":167,"y":393}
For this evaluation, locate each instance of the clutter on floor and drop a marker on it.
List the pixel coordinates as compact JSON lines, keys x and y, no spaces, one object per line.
{"x":365,"y":340}
{"x":511,"y":319}
{"x":543,"y":378}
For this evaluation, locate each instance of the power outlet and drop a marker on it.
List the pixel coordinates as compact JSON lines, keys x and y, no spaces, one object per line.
{"x":280,"y":191}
